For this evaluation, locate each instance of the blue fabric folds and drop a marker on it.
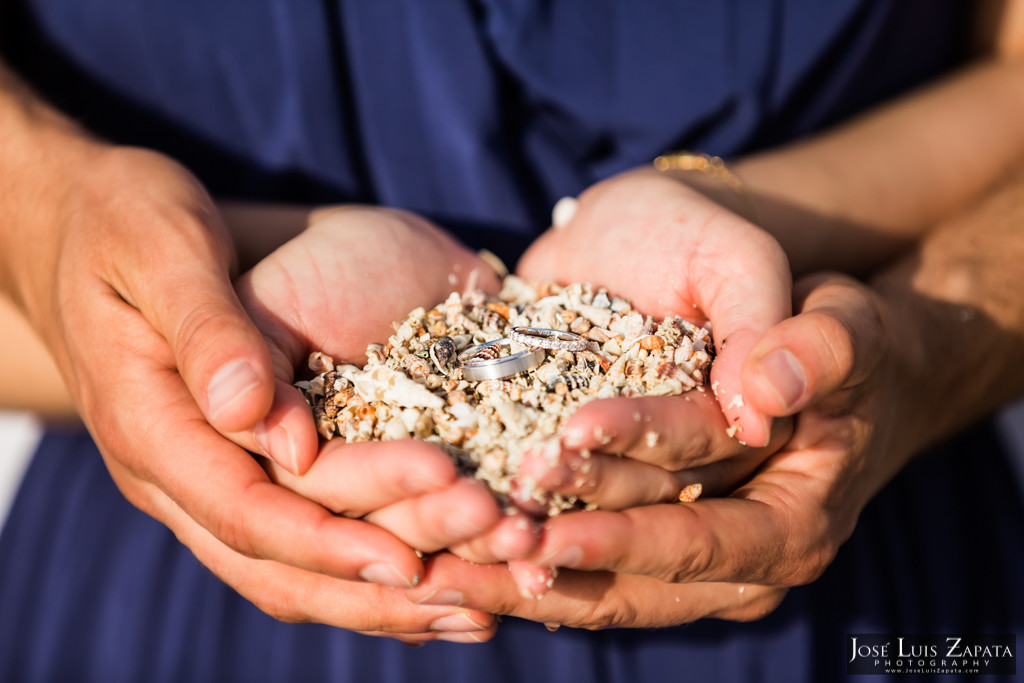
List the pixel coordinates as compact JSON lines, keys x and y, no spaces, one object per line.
{"x":480,"y":113}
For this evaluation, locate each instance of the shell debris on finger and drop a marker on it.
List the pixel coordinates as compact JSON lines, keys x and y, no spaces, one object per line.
{"x":691,"y":493}
{"x":412,"y":385}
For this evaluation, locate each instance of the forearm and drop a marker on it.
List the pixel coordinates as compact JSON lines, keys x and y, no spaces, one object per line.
{"x":41,"y":154}
{"x":29,"y":379}
{"x":960,"y":314}
{"x":853,"y":197}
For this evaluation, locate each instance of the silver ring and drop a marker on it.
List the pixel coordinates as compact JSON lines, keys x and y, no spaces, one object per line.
{"x":495,"y":367}
{"x":548,"y":339}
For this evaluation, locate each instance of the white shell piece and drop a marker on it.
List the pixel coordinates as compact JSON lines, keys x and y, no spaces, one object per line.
{"x":517,"y":290}
{"x":381,"y":383}
{"x":598,"y":315}
{"x":395,"y":429}
{"x":563,"y":211}
{"x":320,"y":362}
{"x":465,"y":415}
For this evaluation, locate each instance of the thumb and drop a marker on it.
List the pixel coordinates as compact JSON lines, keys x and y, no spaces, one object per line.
{"x":832,"y":344}
{"x":744,"y":297}
{"x":220,"y":354}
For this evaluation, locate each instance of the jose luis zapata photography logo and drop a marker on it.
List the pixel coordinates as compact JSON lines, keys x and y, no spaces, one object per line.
{"x":946,"y":653}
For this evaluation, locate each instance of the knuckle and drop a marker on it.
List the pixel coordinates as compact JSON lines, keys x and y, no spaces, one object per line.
{"x":230,"y":526}
{"x":197,"y":335}
{"x":281,"y":608}
{"x":608,"y":614}
{"x":697,"y":561}
{"x":819,"y":561}
{"x":814,"y":560}
{"x":697,"y":449}
{"x":758,"y":607}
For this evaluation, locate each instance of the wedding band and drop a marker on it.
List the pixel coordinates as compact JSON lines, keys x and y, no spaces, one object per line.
{"x":548,"y":339}
{"x":493,"y":367}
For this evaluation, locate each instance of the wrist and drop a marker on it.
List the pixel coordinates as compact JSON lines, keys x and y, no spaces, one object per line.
{"x":951,"y":364}
{"x":42,"y":156}
{"x":713,"y":178}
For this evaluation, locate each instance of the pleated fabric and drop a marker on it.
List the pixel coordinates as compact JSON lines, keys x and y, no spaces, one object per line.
{"x":478,"y":113}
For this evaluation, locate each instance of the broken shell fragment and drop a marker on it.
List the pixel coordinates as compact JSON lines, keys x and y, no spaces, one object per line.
{"x":691,"y":493}
{"x":443,"y":352}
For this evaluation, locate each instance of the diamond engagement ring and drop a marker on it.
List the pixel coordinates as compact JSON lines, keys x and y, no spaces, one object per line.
{"x":540,"y":337}
{"x":482,"y":362}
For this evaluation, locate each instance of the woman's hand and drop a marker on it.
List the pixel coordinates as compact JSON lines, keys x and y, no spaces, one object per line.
{"x":734,"y":556}
{"x":649,"y":237}
{"x":336,"y":288}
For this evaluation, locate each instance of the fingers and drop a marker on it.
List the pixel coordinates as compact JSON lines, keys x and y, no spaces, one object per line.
{"x":835,"y":341}
{"x":671,"y":442}
{"x":221,"y":355}
{"x":531,"y":581}
{"x":176,"y":272}
{"x":768,"y":537}
{"x":294,"y":595}
{"x":591,"y":599}
{"x":743,"y":295}
{"x":356,"y":479}
{"x":225,"y":491}
{"x":672,"y":432}
{"x":514,"y":536}
{"x":609,"y":482}
{"x":612,"y":482}
{"x":464,"y":517}
{"x":286,"y":434}
{"x":155,"y":432}
{"x":434,"y":521}
{"x":411,"y":489}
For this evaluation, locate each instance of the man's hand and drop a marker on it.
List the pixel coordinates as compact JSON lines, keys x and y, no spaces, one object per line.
{"x":336,"y":288}
{"x":733,"y":556}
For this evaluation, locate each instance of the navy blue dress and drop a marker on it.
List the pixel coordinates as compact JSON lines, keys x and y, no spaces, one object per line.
{"x":478,"y":114}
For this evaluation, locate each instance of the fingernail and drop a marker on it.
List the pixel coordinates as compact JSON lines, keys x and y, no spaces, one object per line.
{"x":231,"y":382}
{"x":277,"y":443}
{"x":566,"y":557}
{"x":442,"y":596}
{"x":460,"y":637}
{"x":462,"y":527}
{"x":459,"y":621}
{"x":785,"y":376}
{"x":386,"y":575}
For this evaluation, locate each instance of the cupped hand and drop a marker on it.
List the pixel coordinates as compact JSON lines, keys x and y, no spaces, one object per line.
{"x":329,"y":534}
{"x":651,"y":238}
{"x":734,"y":556}
{"x":336,"y":288}
{"x":125,"y":272}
